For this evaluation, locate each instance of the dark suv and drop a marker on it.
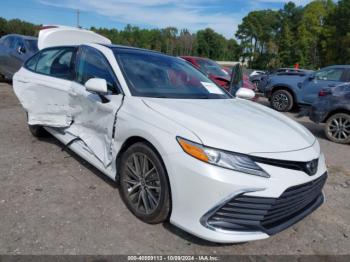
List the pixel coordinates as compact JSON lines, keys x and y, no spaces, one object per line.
{"x":14,"y":51}
{"x":333,"y":108}
{"x":301,"y":88}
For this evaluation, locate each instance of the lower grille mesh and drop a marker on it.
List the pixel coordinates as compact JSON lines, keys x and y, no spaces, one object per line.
{"x":270,"y":215}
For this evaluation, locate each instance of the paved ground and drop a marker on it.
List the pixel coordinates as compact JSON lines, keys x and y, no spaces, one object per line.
{"x":52,"y":202}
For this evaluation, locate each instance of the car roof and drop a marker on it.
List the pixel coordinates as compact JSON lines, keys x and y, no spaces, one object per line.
{"x":21,"y":36}
{"x":123,"y":47}
{"x":337,"y":66}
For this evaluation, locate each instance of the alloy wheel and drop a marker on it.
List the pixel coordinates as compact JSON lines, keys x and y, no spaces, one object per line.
{"x":143,"y":183}
{"x":280,"y":102}
{"x":339,"y":128}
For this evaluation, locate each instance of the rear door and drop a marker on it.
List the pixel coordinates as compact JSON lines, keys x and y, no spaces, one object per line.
{"x":95,"y":115}
{"x":44,"y":87}
{"x":325,"y":78}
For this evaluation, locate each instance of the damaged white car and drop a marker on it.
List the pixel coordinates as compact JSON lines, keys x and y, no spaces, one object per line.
{"x":222,"y":168}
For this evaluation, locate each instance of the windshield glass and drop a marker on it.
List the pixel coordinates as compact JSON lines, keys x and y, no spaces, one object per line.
{"x":156,"y":75}
{"x":32,"y":45}
{"x":210,"y":67}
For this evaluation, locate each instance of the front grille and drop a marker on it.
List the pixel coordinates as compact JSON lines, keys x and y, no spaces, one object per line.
{"x":270,"y":215}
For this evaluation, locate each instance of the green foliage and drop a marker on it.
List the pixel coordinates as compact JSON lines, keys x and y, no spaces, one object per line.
{"x":169,"y":40}
{"x":176,"y":42}
{"x":16,"y":26}
{"x":312,"y":36}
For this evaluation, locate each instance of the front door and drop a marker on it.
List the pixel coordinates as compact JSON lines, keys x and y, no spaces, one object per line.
{"x":94,"y":114}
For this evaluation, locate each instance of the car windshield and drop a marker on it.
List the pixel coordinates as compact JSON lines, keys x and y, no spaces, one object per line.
{"x":210,"y":67}
{"x":151,"y":74}
{"x":32,"y":45}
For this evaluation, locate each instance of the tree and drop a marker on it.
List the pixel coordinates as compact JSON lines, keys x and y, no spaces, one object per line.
{"x":336,"y":36}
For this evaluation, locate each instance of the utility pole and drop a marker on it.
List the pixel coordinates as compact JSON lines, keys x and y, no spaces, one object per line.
{"x":78,"y":14}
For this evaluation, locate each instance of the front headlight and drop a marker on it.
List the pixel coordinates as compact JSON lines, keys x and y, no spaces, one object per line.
{"x":233,"y":161}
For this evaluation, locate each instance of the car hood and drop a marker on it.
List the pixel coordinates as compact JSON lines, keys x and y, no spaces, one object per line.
{"x":235,"y":124}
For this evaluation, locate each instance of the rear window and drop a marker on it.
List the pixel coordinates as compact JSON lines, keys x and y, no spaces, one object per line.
{"x":56,"y":62}
{"x":8,"y":41}
{"x":32,"y":45}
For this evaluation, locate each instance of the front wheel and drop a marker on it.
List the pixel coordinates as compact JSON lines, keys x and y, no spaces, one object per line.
{"x":144,"y":184}
{"x":338,"y":128}
{"x":282,"y":100}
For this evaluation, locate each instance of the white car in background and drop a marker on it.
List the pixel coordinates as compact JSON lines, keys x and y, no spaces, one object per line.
{"x":182,"y":148}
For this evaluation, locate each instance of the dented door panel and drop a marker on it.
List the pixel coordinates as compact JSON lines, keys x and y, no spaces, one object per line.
{"x":46,"y":99}
{"x":93,"y":121}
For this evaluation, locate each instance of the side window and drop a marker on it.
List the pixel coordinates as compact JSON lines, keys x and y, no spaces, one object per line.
{"x":333,"y":74}
{"x":347,"y":75}
{"x":31,"y":63}
{"x":56,"y":62}
{"x":13,"y":42}
{"x":92,"y":64}
{"x":8,"y":41}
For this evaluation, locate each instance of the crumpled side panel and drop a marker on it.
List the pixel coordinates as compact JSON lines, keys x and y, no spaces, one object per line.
{"x":93,"y":124}
{"x":45,"y":106}
{"x":68,"y":106}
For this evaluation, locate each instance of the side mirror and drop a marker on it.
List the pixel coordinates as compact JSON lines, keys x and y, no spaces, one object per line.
{"x":245,"y":93}
{"x":21,"y":50}
{"x":97,"y":85}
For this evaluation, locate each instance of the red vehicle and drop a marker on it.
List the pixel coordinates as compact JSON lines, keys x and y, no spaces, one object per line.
{"x":221,"y":76}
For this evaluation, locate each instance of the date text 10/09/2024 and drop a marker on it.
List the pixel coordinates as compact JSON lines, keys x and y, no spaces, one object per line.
{"x":173,"y":258}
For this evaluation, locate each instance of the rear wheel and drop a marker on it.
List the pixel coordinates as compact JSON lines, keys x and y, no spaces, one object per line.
{"x":144,"y":184}
{"x":282,"y":100}
{"x":338,"y":128}
{"x":37,"y":130}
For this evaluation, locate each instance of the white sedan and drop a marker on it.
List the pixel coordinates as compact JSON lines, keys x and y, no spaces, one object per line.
{"x":222,"y":168}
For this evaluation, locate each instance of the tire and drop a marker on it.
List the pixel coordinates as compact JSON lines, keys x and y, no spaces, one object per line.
{"x":144,"y":188}
{"x":282,"y":101}
{"x":338,"y":128}
{"x":36,"y":130}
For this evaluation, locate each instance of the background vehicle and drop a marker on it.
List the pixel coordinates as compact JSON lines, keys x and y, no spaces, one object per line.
{"x":260,"y":80}
{"x":255,"y":77}
{"x":14,"y":50}
{"x":221,"y":76}
{"x":333,"y":109}
{"x":285,"y":90}
{"x":256,"y":73}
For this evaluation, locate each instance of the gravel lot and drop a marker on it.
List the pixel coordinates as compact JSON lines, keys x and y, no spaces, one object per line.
{"x":52,"y":202}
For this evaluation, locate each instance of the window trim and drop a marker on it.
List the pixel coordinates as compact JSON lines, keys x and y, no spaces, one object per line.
{"x":76,"y":62}
{"x":341,"y":79}
{"x":38,"y":54}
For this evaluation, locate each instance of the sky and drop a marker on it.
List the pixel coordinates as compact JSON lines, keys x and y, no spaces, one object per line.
{"x":223,"y":16}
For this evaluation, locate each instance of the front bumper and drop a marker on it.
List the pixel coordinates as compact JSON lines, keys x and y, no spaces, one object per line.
{"x":199,"y":189}
{"x":269,"y":215}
